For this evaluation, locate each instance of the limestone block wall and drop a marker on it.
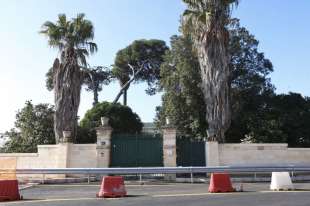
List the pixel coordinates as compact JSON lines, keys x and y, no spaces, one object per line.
{"x":82,"y":156}
{"x":45,"y":158}
{"x":56,"y":156}
{"x":255,"y":154}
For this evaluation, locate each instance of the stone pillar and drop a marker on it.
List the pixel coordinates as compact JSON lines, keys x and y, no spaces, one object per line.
{"x":212,"y":154}
{"x":104,"y":134}
{"x":169,"y":150}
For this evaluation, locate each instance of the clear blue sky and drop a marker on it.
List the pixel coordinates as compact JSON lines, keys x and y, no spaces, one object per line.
{"x":25,"y":56}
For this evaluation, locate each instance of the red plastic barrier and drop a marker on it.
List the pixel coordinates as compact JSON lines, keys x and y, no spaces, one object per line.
{"x":9,"y":190}
{"x":220,"y":183}
{"x":112,"y":187}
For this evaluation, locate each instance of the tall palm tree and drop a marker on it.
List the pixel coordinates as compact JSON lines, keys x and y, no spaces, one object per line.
{"x":73,"y":39}
{"x":206,"y":22}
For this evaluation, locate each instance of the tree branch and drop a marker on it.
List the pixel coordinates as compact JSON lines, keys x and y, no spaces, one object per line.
{"x":134,"y":74}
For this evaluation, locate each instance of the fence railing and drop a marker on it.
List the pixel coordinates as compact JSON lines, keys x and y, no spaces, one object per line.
{"x":165,"y":170}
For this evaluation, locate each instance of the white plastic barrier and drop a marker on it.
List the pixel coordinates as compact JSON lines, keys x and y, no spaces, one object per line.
{"x":281,"y":181}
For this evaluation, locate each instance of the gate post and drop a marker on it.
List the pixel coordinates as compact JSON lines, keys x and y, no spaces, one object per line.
{"x":169,"y":150}
{"x":103,"y":148}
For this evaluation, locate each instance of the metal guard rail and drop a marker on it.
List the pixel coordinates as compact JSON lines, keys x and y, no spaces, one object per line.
{"x":164,"y":170}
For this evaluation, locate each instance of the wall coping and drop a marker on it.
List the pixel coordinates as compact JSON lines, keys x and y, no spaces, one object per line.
{"x":19,"y":154}
{"x":85,"y":145}
{"x":49,"y":145}
{"x":299,"y":149}
{"x":255,"y":144}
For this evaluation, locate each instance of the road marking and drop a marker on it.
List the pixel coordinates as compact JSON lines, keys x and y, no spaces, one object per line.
{"x":180,"y":195}
{"x":58,"y":200}
{"x":225,"y":193}
{"x":99,"y":185}
{"x":192,"y":194}
{"x":151,"y":185}
{"x":284,"y":191}
{"x":69,"y":185}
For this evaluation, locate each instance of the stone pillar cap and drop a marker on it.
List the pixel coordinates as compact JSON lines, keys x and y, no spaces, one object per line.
{"x":104,"y":127}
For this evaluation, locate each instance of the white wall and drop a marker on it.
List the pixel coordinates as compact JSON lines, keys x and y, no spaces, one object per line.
{"x":43,"y":159}
{"x":55,"y":156}
{"x":82,"y":156}
{"x":256,"y":154}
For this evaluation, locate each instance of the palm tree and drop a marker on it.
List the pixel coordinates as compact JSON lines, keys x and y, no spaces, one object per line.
{"x":206,"y":22}
{"x":73,"y":39}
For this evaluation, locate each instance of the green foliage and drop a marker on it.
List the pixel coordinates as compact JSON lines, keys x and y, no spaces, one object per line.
{"x":122,"y":118}
{"x":250,"y":84}
{"x":284,"y":119}
{"x":183,"y":101}
{"x":33,"y":126}
{"x":137,"y":53}
{"x":97,"y":77}
{"x":86,"y":135}
{"x":49,"y":79}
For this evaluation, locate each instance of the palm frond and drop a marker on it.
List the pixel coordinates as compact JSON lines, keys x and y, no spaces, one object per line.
{"x":81,"y":57}
{"x":62,"y":20}
{"x":92,"y":47}
{"x":77,"y":33}
{"x":202,"y":16}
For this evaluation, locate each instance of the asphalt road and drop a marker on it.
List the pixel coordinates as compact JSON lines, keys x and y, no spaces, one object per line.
{"x":166,"y":195}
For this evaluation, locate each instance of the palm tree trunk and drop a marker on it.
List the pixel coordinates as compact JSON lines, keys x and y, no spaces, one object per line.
{"x":67,"y":81}
{"x":95,"y":96}
{"x":213,"y":59}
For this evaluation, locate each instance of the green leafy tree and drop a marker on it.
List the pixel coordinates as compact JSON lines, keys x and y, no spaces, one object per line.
{"x":139,"y":62}
{"x":283,"y":119}
{"x":96,"y":78}
{"x":33,"y":126}
{"x":86,"y":135}
{"x":183,"y":101}
{"x":294,"y":118}
{"x":250,"y":83}
{"x":121,"y":118}
{"x":73,"y":39}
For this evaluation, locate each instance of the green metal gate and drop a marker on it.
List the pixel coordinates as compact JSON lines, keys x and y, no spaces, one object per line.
{"x":141,"y":150}
{"x":190,"y":152}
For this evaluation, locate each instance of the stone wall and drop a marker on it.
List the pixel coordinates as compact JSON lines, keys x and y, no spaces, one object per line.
{"x":255,"y":154}
{"x":47,"y":157}
{"x":82,"y":156}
